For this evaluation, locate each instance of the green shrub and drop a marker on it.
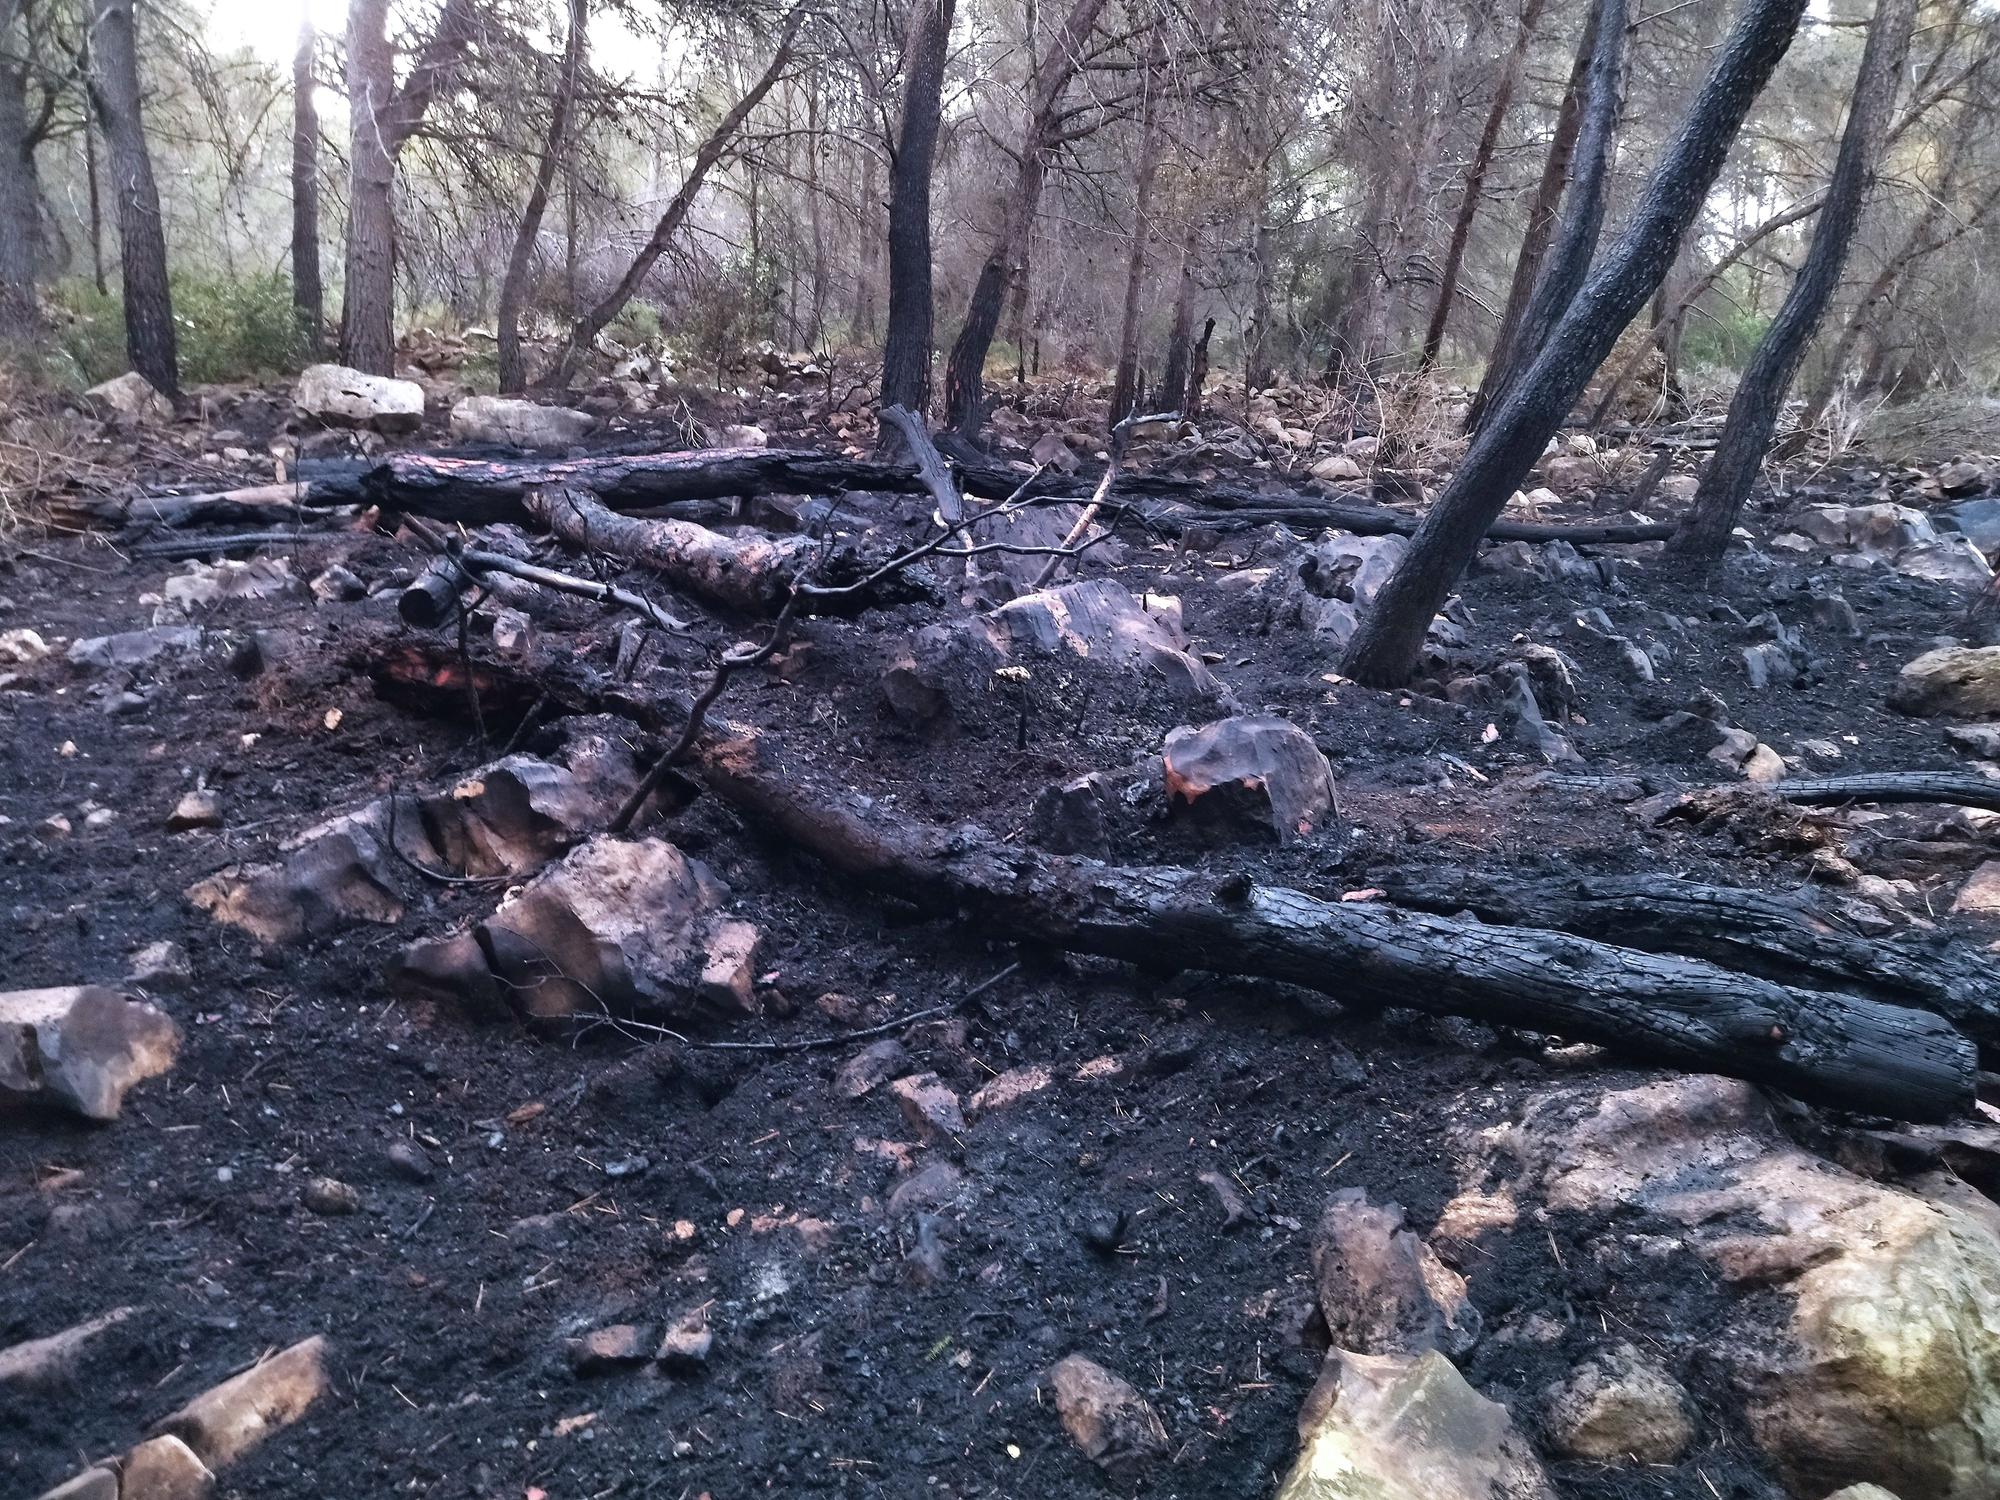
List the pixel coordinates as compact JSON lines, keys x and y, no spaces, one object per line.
{"x":638,"y":326}
{"x":240,"y":328}
{"x":1723,"y":340}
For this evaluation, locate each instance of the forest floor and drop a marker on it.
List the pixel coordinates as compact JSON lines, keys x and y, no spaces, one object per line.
{"x":587,"y":1180}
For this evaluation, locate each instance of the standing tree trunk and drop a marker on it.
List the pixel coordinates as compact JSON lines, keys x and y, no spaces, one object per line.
{"x":1387,"y":647}
{"x":1760,"y":394}
{"x":583,"y":333}
{"x":1197,"y":376}
{"x":1475,"y":181}
{"x":1180,"y":335}
{"x":1125,"y":382}
{"x":1575,"y":243}
{"x":383,"y":118}
{"x":1542,"y":217}
{"x":965,"y":371}
{"x":906,"y":348}
{"x":308,"y":291}
{"x":149,"y":310}
{"x":18,"y":231}
{"x":514,"y":282}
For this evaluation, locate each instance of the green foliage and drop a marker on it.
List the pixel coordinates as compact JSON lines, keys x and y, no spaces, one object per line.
{"x":723,"y":315}
{"x":1723,"y":338}
{"x":239,"y":328}
{"x":638,"y":326}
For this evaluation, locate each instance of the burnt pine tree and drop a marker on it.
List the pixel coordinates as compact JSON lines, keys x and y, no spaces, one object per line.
{"x":114,"y":93}
{"x":18,"y":210}
{"x":1475,"y":180}
{"x":1767,"y":379}
{"x":1575,"y":244}
{"x":1543,"y":215}
{"x":965,"y":371}
{"x":308,"y":290}
{"x":383,"y":117}
{"x":1386,"y":649}
{"x":514,"y":283}
{"x":906,"y":346}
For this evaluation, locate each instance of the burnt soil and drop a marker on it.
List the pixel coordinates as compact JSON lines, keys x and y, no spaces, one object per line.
{"x":568,"y":1169}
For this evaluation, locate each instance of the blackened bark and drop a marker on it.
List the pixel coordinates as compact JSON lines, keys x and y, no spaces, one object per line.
{"x":1767,"y":380}
{"x":906,"y":347}
{"x":1542,"y":218}
{"x":1575,"y":243}
{"x":17,"y":183}
{"x":1826,"y":1045}
{"x":1385,"y":650}
{"x":308,"y":289}
{"x":1180,"y":334}
{"x":149,"y":311}
{"x":514,"y":282}
{"x":1198,"y":371}
{"x":1475,"y":181}
{"x":965,"y":370}
{"x":1125,"y":379}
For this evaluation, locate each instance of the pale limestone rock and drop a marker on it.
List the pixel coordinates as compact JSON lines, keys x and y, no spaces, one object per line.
{"x":1407,"y":1427}
{"x":341,"y":397}
{"x":82,"y":1047}
{"x":1960,"y":680}
{"x":513,"y":423}
{"x":47,"y":1361}
{"x":226,"y":1421}
{"x":1620,"y":1407}
{"x":1009,"y":1088}
{"x":132,"y":395}
{"x":164,"y":1468}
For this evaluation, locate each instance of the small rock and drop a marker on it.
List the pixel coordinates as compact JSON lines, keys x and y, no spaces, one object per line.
{"x":22,"y":647}
{"x":329,"y":1195}
{"x":1337,"y":469}
{"x":742,"y":435}
{"x":82,"y":1047}
{"x":410,"y":1162}
{"x":1106,"y":1417}
{"x":164,"y":1468}
{"x":341,"y":397}
{"x":1252,"y":771}
{"x":930,"y":1107}
{"x":1961,"y":478}
{"x":1381,"y":1289}
{"x":687,"y":1343}
{"x":1764,"y":764}
{"x":337,"y":585}
{"x":1961,"y":680}
{"x":133,"y":396}
{"x":1010,"y":1087}
{"x":870,"y":1068}
{"x":200,"y":808}
{"x":161,"y":966}
{"x":1982,"y":740}
{"x":53,"y":1360}
{"x":1980,"y":894}
{"x":930,"y":1189}
{"x":1620,"y":1406}
{"x":514,"y":423}
{"x":618,"y":1347}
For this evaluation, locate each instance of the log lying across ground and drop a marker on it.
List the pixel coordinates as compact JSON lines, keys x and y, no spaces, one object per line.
{"x":1830,"y":1046}
{"x":479,"y":491}
{"x":1777,"y":937}
{"x":1962,"y":787}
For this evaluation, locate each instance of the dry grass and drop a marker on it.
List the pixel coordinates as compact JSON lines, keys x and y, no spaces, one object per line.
{"x":1931,"y":429}
{"x":45,"y":453}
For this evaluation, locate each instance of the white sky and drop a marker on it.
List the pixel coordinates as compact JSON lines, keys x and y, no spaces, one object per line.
{"x":270,"y":28}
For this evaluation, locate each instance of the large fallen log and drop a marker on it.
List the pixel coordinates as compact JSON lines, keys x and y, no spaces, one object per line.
{"x":1778,"y":937}
{"x":1829,"y":1046}
{"x":1965,"y":788}
{"x":478,"y":491}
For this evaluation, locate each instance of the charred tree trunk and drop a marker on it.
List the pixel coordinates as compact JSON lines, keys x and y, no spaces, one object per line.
{"x":149,"y":310}
{"x":1760,"y":394}
{"x":308,"y":290}
{"x":514,"y":283}
{"x":1125,"y":380}
{"x":1830,"y":1046}
{"x":18,"y":210}
{"x":1385,"y":650}
{"x":1179,"y":356}
{"x":383,"y":117}
{"x":1575,"y":243}
{"x":1198,"y":372}
{"x":906,"y":348}
{"x":583,"y":334}
{"x":1475,"y":181}
{"x":1543,"y":215}
{"x":965,"y":370}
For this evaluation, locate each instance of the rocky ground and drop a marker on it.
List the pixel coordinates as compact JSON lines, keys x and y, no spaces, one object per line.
{"x":561,"y":1164}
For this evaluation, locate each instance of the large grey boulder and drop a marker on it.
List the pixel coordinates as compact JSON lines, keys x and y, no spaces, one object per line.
{"x":514,"y":423}
{"x":340,"y":397}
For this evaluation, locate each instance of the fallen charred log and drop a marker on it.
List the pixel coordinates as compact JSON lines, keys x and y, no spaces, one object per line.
{"x":1961,"y":787}
{"x":476,"y":491}
{"x":1829,"y":1046}
{"x":1777,"y":937}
